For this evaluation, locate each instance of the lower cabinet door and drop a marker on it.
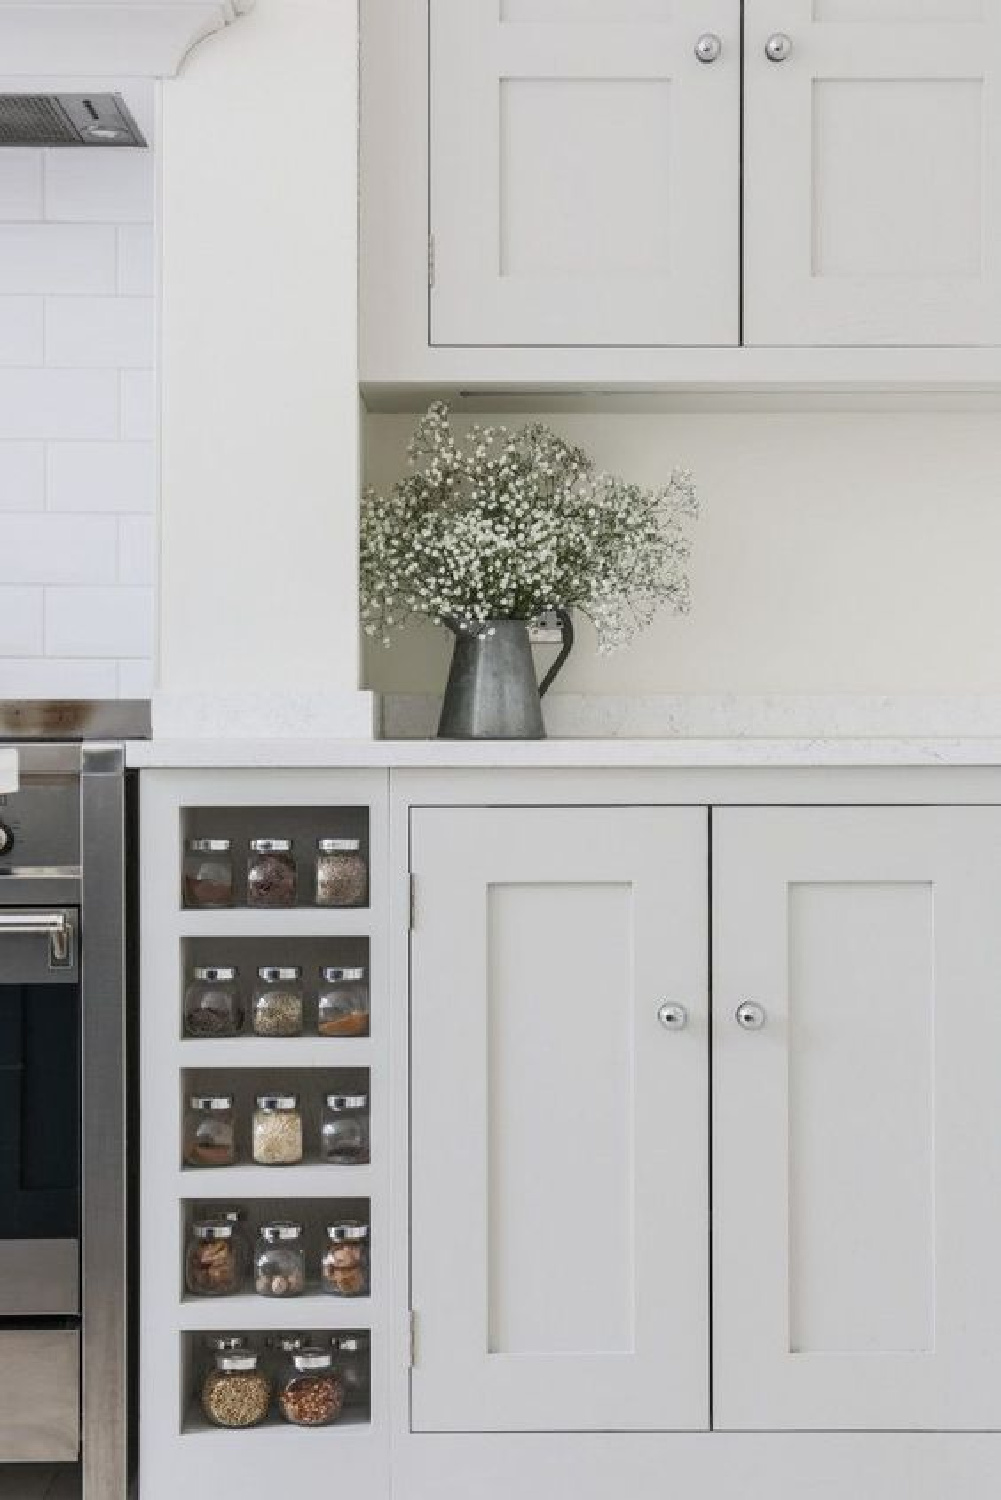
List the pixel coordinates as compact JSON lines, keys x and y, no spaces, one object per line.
{"x":559,"y":1127}
{"x":857,"y":1118}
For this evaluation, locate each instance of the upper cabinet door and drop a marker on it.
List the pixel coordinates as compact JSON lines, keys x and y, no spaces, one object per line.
{"x":857,"y":1146}
{"x":872,"y":190}
{"x":559,"y":1226}
{"x":584,"y":172}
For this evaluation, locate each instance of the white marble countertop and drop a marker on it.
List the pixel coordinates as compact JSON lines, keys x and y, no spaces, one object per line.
{"x":563,"y":754}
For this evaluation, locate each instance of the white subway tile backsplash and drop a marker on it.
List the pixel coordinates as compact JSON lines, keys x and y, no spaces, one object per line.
{"x":93,"y":333}
{"x":46,"y":549}
{"x":136,"y":261}
{"x":20,"y":622}
{"x":20,"y":185}
{"x":57,"y":258}
{"x":112,"y":622}
{"x":58,"y":404}
{"x":22,"y":476}
{"x":136,"y":551}
{"x":138,"y":405}
{"x":48,"y":677}
{"x":21,"y":337}
{"x":110,"y":187}
{"x":100,"y":477}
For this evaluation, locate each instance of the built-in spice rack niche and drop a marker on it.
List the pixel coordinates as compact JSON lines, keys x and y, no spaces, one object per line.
{"x":275,"y":1119}
{"x":275,"y":859}
{"x":264,"y":1390}
{"x":276,"y":988}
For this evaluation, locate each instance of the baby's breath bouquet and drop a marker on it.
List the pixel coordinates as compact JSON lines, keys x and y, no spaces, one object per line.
{"x":507,"y":525}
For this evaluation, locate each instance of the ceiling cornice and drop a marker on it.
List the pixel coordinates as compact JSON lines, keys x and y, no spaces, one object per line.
{"x":117,"y":38}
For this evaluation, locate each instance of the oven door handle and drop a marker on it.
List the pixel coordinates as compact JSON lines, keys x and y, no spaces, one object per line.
{"x":55,"y":925}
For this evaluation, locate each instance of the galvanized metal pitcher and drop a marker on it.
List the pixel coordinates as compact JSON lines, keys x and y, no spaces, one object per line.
{"x":492,"y":691}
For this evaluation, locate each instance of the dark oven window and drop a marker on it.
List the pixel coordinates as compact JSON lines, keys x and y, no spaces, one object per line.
{"x":39,"y":1111}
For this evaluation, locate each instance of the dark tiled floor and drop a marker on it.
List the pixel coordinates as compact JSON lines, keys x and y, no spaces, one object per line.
{"x":28,"y":1482}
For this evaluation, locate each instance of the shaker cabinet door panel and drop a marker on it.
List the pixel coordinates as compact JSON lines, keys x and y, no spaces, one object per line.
{"x":584,"y":173}
{"x":873,"y":173}
{"x":857,"y":1132}
{"x":559,"y":1130}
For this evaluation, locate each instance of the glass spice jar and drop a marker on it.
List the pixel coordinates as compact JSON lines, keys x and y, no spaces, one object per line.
{"x":344,"y":1130}
{"x":214,"y":1261}
{"x":352,"y":1360}
{"x":212,"y":1003}
{"x":207,"y":878}
{"x":271,"y":877}
{"x":277,"y":1130}
{"x":312,"y":1392}
{"x":277,"y":1006}
{"x":279,"y":1261}
{"x":343,"y":1006}
{"x":209,"y":1131}
{"x":341,"y":873}
{"x":235,"y":1392}
{"x":344,"y":1266}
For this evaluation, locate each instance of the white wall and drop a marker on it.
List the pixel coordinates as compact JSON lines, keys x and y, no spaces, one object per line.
{"x":838,"y":553}
{"x":77,"y":461}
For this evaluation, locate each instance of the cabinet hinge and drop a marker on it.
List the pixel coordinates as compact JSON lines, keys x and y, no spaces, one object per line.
{"x":431,"y":261}
{"x":413,"y":1338}
{"x":413,"y":901}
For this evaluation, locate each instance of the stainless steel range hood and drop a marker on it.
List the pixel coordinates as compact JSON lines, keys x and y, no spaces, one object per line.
{"x":67,"y":120}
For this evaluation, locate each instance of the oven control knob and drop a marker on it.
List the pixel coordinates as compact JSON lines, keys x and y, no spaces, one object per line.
{"x":6,"y":839}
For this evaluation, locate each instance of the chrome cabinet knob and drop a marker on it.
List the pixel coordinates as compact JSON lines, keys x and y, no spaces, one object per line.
{"x":709,"y":47}
{"x":673,"y":1017}
{"x":751,"y":1017}
{"x":778,"y":47}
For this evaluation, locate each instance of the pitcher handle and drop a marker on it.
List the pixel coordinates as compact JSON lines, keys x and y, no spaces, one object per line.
{"x":566,"y":625}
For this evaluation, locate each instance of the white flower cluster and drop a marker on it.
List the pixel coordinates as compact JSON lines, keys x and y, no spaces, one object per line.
{"x":511,"y":524}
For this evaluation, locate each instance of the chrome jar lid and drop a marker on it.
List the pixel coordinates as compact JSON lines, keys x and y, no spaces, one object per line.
{"x":338,"y":846}
{"x":214,"y":974}
{"x":277,"y":1102}
{"x":209,"y":846}
{"x":273,"y":975}
{"x":312,"y":1358}
{"x":347,"y":1101}
{"x":271,"y":846}
{"x":281,"y":1232}
{"x":211,"y":1101}
{"x":342,"y":976}
{"x":350,"y":1229}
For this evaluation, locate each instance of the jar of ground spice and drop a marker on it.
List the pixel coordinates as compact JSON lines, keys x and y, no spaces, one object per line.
{"x":209,"y":1131}
{"x":212,"y":1003}
{"x":277,"y":1130}
{"x":343,"y":1005}
{"x":344,"y":1268}
{"x":344,"y":1129}
{"x":214,"y":1261}
{"x":280,"y":1261}
{"x":353,"y":1362}
{"x":277,"y":1007}
{"x":207,"y":880}
{"x":271,"y":878}
{"x":341,"y":873}
{"x":311,"y":1393}
{"x":236,"y":1393}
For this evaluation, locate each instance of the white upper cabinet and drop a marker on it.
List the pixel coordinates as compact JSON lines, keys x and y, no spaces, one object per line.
{"x":872,"y":203}
{"x":584,"y":172}
{"x":857,"y":1132}
{"x":560,"y":1188}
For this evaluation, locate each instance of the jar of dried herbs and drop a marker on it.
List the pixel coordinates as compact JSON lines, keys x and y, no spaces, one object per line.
{"x":236,"y":1393}
{"x":344,"y":1135}
{"x":277,"y":1006}
{"x":280,"y":1261}
{"x":353,"y":1362}
{"x":209,"y":1131}
{"x":212,"y":1003}
{"x":271,"y":874}
{"x":215,"y":1259}
{"x":341,"y":873}
{"x":207,"y":879}
{"x":344,"y":1268}
{"x":277,"y":1130}
{"x":311,"y":1394}
{"x":343,"y":1004}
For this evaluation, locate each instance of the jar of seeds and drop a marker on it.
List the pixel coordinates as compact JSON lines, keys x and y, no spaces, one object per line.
{"x":311,"y":1394}
{"x":215,"y":1260}
{"x":343,"y":1006}
{"x":212,"y":1003}
{"x":344,"y":1135}
{"x":209,"y":1131}
{"x":341,"y":873}
{"x":235,"y":1392}
{"x":207,"y":879}
{"x":279,"y":1261}
{"x":277,"y":1006}
{"x":277,"y":1130}
{"x":353,"y":1362}
{"x":344,"y":1268}
{"x":271,"y":878}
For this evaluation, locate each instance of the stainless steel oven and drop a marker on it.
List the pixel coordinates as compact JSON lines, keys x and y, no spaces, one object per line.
{"x":63,"y":1180}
